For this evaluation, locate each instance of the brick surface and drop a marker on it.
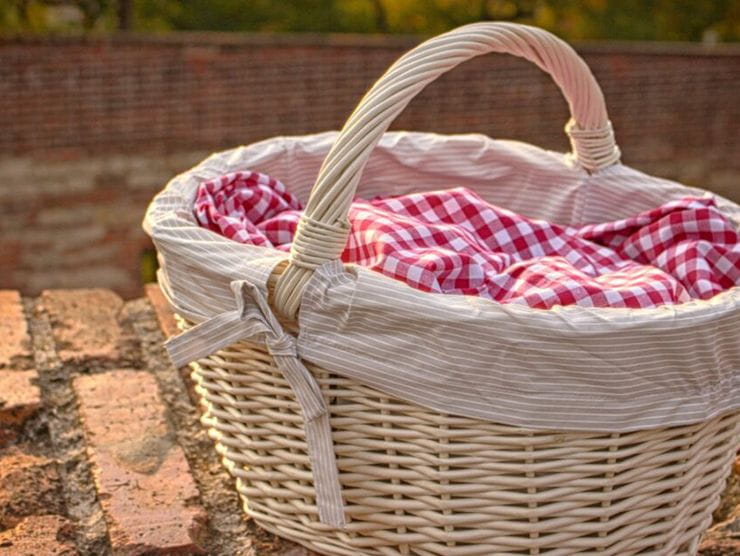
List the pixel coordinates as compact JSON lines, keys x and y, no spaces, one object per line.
{"x":19,"y":399}
{"x":723,"y":539}
{"x":143,"y":480}
{"x":730,"y":499}
{"x":45,"y":535}
{"x":85,"y":324}
{"x":168,"y":325}
{"x":29,"y":485}
{"x":15,"y":344}
{"x":161,"y":307}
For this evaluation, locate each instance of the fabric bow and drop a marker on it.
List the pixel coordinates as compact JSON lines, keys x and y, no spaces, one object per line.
{"x":254,"y":320}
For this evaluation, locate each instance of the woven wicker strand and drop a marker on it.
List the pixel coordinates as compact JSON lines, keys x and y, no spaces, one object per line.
{"x":419,"y":482}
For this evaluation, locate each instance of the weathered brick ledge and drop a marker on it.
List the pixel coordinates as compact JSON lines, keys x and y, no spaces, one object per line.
{"x":101,"y":451}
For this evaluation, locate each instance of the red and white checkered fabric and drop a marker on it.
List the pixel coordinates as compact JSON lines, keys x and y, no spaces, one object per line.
{"x":452,"y":241}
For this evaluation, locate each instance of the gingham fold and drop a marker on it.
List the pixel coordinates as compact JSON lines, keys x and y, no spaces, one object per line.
{"x":452,"y":241}
{"x":253,"y":320}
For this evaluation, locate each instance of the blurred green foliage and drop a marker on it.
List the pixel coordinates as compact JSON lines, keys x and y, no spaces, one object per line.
{"x":674,"y":20}
{"x":148,"y":266}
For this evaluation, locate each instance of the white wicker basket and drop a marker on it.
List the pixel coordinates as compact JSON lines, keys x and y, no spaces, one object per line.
{"x":557,"y":432}
{"x":417,"y":481}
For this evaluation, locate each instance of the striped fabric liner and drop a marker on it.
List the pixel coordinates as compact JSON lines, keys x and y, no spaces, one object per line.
{"x":569,"y":368}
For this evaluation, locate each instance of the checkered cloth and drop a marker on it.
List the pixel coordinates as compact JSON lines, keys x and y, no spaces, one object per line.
{"x":452,"y":241}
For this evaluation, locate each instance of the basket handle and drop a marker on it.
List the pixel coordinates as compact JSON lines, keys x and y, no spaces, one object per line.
{"x":323,"y":230}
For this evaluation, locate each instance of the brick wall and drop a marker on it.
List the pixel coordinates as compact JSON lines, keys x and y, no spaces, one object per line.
{"x":91,"y":128}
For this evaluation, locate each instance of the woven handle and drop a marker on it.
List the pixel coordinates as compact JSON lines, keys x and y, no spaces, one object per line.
{"x":323,"y":230}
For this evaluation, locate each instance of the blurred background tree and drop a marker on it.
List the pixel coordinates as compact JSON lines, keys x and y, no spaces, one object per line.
{"x":673,"y":20}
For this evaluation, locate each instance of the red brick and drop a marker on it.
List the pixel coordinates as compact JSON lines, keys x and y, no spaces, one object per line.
{"x":29,"y":485}
{"x":723,"y":538}
{"x":47,"y":535}
{"x":15,"y":344}
{"x":162,"y":308}
{"x":19,"y":399}
{"x":141,"y":474}
{"x":85,"y":324}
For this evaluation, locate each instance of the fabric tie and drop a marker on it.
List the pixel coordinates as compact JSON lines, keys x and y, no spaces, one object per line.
{"x":251,"y":320}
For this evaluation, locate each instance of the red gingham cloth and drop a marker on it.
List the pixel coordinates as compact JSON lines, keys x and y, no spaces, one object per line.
{"x":452,"y":241}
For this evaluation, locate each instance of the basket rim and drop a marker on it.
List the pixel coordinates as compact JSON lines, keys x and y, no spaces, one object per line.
{"x":570,"y":368}
{"x":185,"y":185}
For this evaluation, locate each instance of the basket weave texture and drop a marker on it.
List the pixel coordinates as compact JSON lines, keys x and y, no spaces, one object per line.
{"x":416,"y":481}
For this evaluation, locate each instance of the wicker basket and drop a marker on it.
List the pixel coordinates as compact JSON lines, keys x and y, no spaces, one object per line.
{"x":413,"y":473}
{"x":419,"y":482}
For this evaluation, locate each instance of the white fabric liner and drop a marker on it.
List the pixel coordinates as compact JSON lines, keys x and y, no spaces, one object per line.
{"x":567,"y":368}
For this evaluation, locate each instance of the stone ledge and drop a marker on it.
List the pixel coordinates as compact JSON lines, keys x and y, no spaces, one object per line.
{"x":101,"y":451}
{"x":143,"y":480}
